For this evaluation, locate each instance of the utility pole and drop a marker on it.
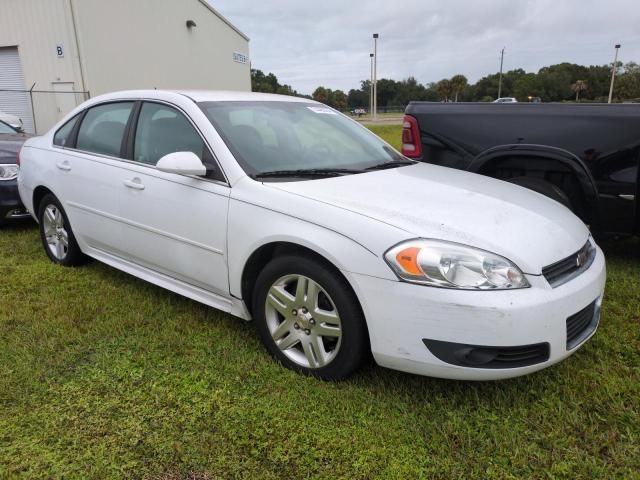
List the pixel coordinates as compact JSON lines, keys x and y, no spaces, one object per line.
{"x":375,"y":76}
{"x":613,"y":72}
{"x":371,"y":87}
{"x":500,"y":78}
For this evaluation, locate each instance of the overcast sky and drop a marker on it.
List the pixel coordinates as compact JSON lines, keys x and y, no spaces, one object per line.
{"x":327,"y":42}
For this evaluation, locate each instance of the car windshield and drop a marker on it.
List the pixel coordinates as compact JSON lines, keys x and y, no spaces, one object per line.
{"x":271,"y":137}
{"x":4,"y":128}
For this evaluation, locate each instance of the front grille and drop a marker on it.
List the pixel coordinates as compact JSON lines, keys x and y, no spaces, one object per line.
{"x":568,"y":268}
{"x":581,"y":324}
{"x":482,"y":356}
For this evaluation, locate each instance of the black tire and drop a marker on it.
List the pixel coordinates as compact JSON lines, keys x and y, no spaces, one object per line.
{"x":547,"y":189}
{"x":353,"y":346}
{"x":73,"y":256}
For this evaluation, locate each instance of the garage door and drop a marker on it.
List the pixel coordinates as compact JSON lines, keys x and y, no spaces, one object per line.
{"x":12,"y":99}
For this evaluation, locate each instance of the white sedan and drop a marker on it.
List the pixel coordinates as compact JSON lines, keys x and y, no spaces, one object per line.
{"x":283,"y":211}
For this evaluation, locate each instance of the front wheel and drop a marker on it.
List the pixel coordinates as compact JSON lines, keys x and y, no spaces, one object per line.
{"x":57,"y":237}
{"x":309,"y":319}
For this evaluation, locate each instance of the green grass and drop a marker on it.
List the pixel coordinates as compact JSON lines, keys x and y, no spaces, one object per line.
{"x":390,"y":133}
{"x":105,"y":376}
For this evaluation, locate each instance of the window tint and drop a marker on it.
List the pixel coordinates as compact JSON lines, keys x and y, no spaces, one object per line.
{"x":61,"y":138}
{"x":626,"y":175}
{"x":103,"y":127}
{"x":618,"y":167}
{"x":162,"y":130}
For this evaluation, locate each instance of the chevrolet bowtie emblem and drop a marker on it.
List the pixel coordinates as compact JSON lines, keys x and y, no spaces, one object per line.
{"x":581,"y":259}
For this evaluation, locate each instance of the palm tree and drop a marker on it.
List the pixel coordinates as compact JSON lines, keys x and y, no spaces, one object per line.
{"x":579,"y":86}
{"x":458,"y":84}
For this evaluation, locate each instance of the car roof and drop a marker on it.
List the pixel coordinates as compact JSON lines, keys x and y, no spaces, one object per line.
{"x":205,"y":95}
{"x":222,"y":95}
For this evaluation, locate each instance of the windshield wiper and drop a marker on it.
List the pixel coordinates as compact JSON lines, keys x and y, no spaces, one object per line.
{"x":392,"y":164}
{"x":308,"y":172}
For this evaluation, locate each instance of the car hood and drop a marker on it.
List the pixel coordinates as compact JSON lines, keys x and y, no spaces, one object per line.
{"x":429,"y":201}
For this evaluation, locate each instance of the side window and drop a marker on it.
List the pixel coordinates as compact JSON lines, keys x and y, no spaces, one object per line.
{"x":61,"y":138}
{"x":620,"y":167}
{"x":162,"y":130}
{"x":103,"y":127}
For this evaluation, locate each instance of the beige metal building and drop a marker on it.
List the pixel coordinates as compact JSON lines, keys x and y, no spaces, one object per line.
{"x":65,"y":47}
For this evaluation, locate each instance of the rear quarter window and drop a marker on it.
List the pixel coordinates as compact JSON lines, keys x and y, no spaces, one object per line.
{"x":62,"y":136}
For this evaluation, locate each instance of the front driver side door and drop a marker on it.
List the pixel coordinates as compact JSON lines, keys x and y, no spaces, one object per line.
{"x":174,"y":224}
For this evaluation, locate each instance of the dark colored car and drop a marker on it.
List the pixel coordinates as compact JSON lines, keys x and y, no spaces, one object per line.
{"x":585,"y":156}
{"x":11,"y":141}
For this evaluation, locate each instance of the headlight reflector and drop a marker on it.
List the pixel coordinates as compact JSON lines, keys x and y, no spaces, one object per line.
{"x":453,"y":265}
{"x":8,"y":171}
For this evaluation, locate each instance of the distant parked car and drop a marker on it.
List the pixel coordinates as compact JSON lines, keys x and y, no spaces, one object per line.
{"x":358,"y":111}
{"x":505,"y":100}
{"x":284,"y":211}
{"x":11,"y":141}
{"x":12,"y":120}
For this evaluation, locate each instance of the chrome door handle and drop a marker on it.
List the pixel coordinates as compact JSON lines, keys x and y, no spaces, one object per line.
{"x":64,"y":166}
{"x":135,"y":183}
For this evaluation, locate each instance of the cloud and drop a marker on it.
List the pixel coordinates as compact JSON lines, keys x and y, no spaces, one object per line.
{"x":306,"y":44}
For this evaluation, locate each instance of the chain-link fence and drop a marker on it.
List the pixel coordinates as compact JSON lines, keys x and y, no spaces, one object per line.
{"x":39,"y":110}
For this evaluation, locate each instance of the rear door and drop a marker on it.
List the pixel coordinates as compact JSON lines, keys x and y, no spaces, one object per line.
{"x":87,"y":155}
{"x":174,"y":224}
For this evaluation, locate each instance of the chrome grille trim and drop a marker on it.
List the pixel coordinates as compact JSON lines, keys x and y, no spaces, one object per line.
{"x":568,"y":268}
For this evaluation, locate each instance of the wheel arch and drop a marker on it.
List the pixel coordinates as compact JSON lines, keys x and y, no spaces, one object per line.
{"x":493,"y":156}
{"x":38,"y":194}
{"x":261,"y":256}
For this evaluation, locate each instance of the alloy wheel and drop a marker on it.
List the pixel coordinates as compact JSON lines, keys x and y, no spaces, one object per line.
{"x":56,"y":235}
{"x":303,"y":321}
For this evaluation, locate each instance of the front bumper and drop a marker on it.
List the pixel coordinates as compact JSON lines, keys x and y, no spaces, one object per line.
{"x":10,"y":205}
{"x":400,"y":316}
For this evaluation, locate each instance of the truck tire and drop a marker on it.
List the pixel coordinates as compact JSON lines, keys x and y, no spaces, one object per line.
{"x":545,"y":188}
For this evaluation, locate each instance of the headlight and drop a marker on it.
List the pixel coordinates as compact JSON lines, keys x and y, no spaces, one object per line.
{"x":8,"y":171}
{"x":453,"y":265}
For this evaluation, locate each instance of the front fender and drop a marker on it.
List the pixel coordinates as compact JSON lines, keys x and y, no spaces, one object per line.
{"x":251,"y":227}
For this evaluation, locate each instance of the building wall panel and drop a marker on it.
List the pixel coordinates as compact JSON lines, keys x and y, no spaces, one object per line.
{"x":146,"y":44}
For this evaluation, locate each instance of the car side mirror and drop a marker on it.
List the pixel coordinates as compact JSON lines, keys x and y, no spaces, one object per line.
{"x":182,"y":163}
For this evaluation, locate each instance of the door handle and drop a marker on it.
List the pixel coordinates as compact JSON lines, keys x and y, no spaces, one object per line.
{"x":64,"y":166}
{"x":134,"y":183}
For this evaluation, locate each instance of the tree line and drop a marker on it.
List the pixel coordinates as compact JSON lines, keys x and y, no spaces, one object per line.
{"x":555,"y":83}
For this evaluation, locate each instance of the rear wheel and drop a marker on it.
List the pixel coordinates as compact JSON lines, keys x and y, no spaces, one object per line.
{"x":57,"y":237}
{"x":547,"y":189}
{"x":308,"y":318}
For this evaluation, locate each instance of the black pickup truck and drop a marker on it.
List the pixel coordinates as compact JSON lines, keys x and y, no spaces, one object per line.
{"x":585,"y":156}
